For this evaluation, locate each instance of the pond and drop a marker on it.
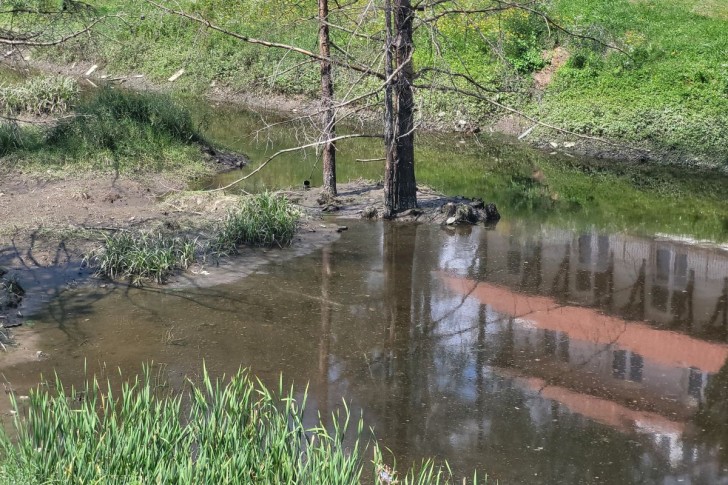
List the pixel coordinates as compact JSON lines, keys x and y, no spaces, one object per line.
{"x":570,"y":344}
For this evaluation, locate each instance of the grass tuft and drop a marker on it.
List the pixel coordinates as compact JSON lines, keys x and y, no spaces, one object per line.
{"x":142,"y":256}
{"x":260,"y":220}
{"x":39,"y":96}
{"x":234,"y":431}
{"x":122,"y":130}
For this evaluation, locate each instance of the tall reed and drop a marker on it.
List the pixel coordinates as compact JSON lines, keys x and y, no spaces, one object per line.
{"x":217,"y":431}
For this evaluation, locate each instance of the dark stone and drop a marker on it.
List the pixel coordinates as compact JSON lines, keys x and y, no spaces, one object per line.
{"x":448,"y":209}
{"x":330,"y":208}
{"x":491,"y":213}
{"x":477,"y":204}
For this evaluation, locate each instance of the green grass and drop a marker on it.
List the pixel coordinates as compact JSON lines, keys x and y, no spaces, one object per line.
{"x":216,"y":431}
{"x":673,"y":93}
{"x":111,"y":130}
{"x":142,"y":256}
{"x":670,"y":93}
{"x":41,"y":95}
{"x":260,"y":220}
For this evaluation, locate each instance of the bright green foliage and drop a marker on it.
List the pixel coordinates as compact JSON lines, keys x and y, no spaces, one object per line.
{"x":142,"y":256}
{"x":672,"y":92}
{"x":218,"y":431}
{"x":669,"y":91}
{"x":111,"y":129}
{"x":38,"y":96}
{"x":260,"y":220}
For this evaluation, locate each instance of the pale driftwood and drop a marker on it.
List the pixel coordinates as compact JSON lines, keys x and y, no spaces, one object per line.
{"x":176,"y":75}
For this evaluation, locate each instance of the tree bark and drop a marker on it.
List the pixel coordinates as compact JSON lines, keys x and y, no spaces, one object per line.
{"x":327,"y":101}
{"x":400,"y":188}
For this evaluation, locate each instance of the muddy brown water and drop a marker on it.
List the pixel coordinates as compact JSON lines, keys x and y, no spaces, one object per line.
{"x":548,"y":350}
{"x":531,"y":352}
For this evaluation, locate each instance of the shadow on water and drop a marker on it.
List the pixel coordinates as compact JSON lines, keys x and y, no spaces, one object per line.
{"x":537,"y":354}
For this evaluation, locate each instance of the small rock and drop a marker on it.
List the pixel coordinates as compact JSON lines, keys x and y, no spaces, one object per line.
{"x":369,"y":212}
{"x":342,"y":228}
{"x":477,"y":204}
{"x":40,"y":355}
{"x":451,"y":220}
{"x":330,"y":208}
{"x":569,"y":144}
{"x":554,"y":144}
{"x":491,"y":213}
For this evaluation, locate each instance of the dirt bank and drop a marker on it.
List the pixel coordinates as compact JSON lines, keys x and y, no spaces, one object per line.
{"x":48,"y":225}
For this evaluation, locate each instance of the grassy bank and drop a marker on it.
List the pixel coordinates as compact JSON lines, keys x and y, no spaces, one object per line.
{"x":217,"y":431}
{"x":667,"y":91}
{"x":107,"y":130}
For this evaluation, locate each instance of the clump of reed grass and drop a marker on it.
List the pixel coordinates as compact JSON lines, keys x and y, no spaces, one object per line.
{"x":142,"y":256}
{"x":125,"y":122}
{"x":260,"y":220}
{"x":42,"y":95}
{"x":217,"y":431}
{"x":113,"y":128}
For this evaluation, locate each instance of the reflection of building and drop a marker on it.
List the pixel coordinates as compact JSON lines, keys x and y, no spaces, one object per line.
{"x":624,"y":331}
{"x":668,"y":283}
{"x":667,"y":364}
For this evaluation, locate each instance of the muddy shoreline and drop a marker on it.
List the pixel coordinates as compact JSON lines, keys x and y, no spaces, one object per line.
{"x":48,"y":226}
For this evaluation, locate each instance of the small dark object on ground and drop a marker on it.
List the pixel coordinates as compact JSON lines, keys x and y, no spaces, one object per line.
{"x":369,"y":212}
{"x":342,"y":228}
{"x":232,"y":160}
{"x":330,"y":208}
{"x":306,"y":185}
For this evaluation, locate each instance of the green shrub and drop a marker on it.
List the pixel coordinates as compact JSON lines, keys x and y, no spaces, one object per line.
{"x":260,"y":220}
{"x":142,"y":256}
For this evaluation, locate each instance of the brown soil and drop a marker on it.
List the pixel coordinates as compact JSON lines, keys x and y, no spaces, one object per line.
{"x":557,"y":58}
{"x":47,"y":226}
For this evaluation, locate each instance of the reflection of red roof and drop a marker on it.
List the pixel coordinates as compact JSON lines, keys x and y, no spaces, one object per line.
{"x":597,"y":409}
{"x":587,"y":325}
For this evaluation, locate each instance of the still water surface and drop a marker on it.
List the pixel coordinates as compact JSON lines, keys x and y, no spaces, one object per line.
{"x":568,"y":345}
{"x":537,"y":354}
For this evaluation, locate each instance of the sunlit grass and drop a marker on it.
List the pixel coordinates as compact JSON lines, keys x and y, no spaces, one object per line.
{"x":41,"y":95}
{"x":140,"y":256}
{"x":260,"y":220}
{"x":217,"y":431}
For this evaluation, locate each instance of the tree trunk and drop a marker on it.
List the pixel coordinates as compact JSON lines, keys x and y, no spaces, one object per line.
{"x":400,"y":188}
{"x":327,"y":101}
